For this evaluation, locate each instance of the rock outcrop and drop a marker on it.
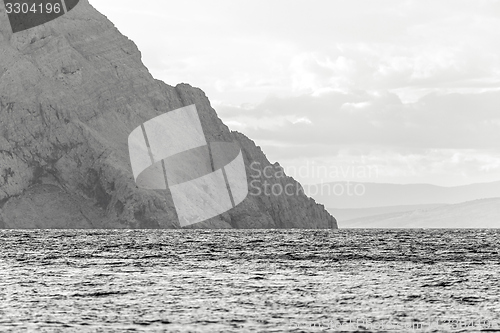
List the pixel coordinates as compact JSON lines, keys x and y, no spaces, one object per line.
{"x":71,"y":91}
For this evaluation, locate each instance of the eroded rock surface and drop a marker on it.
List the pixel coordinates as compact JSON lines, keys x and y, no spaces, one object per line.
{"x":70,"y":93}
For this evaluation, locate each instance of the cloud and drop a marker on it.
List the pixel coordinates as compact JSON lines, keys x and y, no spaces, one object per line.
{"x":411,"y":86}
{"x":449,"y":121}
{"x":446,"y":167}
{"x":242,"y":53}
{"x":442,"y":139}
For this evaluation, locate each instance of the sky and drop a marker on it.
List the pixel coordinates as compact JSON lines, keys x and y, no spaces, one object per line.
{"x":368,"y":91}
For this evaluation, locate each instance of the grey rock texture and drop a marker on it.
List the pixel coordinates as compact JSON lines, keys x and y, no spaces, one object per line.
{"x":71,"y":91}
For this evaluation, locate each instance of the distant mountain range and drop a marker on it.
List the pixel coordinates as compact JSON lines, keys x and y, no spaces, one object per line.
{"x":378,"y":205}
{"x":483,"y":213}
{"x":356,"y":213}
{"x":342,"y":195}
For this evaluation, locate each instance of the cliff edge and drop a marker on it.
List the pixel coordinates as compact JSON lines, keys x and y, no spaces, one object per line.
{"x":71,"y":91}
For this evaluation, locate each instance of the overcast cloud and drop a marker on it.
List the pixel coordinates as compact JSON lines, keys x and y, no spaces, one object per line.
{"x":409,"y":88}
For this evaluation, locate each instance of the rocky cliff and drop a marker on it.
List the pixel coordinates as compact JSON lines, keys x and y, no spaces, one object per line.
{"x":71,"y":91}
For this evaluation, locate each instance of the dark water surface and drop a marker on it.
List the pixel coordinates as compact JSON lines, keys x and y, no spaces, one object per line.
{"x":250,"y":280}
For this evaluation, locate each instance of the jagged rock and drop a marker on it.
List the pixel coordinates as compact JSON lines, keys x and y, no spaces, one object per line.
{"x":71,"y":91}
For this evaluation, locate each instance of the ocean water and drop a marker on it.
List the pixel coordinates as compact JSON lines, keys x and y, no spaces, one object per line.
{"x":250,"y":280}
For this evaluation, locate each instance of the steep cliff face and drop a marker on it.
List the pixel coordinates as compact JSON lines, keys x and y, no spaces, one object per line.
{"x":71,"y":91}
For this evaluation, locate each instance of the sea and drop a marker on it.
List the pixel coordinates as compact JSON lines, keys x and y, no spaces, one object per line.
{"x":349,"y":280}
